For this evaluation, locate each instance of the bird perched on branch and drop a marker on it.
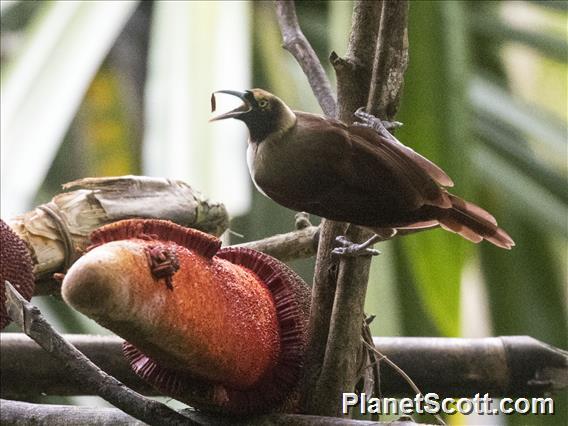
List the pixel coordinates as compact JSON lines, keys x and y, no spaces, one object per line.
{"x":356,"y":173}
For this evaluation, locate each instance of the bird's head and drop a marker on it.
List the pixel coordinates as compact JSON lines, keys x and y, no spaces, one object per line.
{"x":262,"y":112}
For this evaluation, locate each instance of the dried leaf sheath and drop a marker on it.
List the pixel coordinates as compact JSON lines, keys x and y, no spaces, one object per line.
{"x":93,"y":202}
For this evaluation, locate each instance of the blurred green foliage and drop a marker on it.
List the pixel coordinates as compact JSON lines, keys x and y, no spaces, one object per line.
{"x":485,"y":97}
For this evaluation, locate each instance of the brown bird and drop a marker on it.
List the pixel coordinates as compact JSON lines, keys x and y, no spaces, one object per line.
{"x":356,"y":173}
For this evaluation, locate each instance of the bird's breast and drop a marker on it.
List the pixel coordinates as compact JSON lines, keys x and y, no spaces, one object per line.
{"x":253,"y":166}
{"x":281,"y":172}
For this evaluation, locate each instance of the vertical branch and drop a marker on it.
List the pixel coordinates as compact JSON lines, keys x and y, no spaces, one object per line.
{"x":340,"y":286}
{"x":391,"y":60}
{"x":339,"y":370}
{"x":354,"y":71}
{"x":326,"y":269}
{"x":323,"y":297}
{"x":296,"y":43}
{"x":370,"y":74}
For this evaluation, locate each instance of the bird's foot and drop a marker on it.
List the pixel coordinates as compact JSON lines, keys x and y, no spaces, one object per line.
{"x":350,"y":249}
{"x":369,"y":120}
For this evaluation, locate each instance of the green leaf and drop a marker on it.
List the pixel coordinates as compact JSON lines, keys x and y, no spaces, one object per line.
{"x":436,"y":125}
{"x":187,"y":62}
{"x":557,"y":5}
{"x":499,"y":30}
{"x":44,"y":85}
{"x":524,"y":196}
{"x":6,"y":5}
{"x":436,"y":260}
{"x":493,"y":101}
{"x":504,"y":142}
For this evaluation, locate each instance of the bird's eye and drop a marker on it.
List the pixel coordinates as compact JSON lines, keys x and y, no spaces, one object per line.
{"x":263,"y":103}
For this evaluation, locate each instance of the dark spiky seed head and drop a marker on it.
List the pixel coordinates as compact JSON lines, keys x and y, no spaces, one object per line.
{"x":15,"y":266}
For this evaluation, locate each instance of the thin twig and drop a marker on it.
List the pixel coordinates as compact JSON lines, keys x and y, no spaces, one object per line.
{"x":371,"y":358}
{"x":299,"y":244}
{"x":293,"y":245}
{"x":296,"y":43}
{"x":290,"y":246}
{"x":401,"y":372}
{"x":96,"y":381}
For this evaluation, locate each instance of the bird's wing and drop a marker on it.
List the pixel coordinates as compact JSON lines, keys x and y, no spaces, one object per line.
{"x":373,"y":150}
{"x":379,"y":166}
{"x":433,"y":170}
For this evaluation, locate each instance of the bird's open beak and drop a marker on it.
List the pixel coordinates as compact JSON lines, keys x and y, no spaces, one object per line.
{"x":244,"y":108}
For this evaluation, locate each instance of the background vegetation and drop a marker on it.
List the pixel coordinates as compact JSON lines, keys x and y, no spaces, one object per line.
{"x":110,"y":88}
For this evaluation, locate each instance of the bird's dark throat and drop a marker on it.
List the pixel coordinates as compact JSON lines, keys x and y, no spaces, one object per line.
{"x":260,"y":125}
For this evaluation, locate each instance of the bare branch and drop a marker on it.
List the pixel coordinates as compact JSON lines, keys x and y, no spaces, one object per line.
{"x":360,"y":72}
{"x":338,"y":367}
{"x":354,"y":71}
{"x":353,"y":75}
{"x":391,"y":60}
{"x":296,"y":43}
{"x":28,"y":371}
{"x":94,"y":380}
{"x":344,"y":350}
{"x":299,"y":244}
{"x":500,"y":366}
{"x":20,"y":413}
{"x":16,"y":412}
{"x":323,"y":296}
{"x":339,"y":289}
{"x":290,"y":246}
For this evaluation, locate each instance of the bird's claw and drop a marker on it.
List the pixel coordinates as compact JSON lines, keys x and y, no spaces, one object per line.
{"x":369,"y":120}
{"x":351,"y":249}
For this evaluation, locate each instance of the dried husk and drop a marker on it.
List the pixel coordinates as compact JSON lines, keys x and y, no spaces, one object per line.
{"x":92,"y":202}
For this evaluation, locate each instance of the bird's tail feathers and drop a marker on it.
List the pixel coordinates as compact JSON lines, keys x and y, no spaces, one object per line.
{"x":473,"y":223}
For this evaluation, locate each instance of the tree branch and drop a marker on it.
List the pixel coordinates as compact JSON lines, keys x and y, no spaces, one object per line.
{"x":92,"y":378}
{"x":15,"y":412}
{"x":354,"y":71}
{"x":290,"y":246}
{"x":299,"y":244}
{"x":339,"y":288}
{"x":501,"y":366}
{"x":296,"y":43}
{"x":343,"y":350}
{"x":390,"y":62}
{"x":326,"y":269}
{"x":20,"y":413}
